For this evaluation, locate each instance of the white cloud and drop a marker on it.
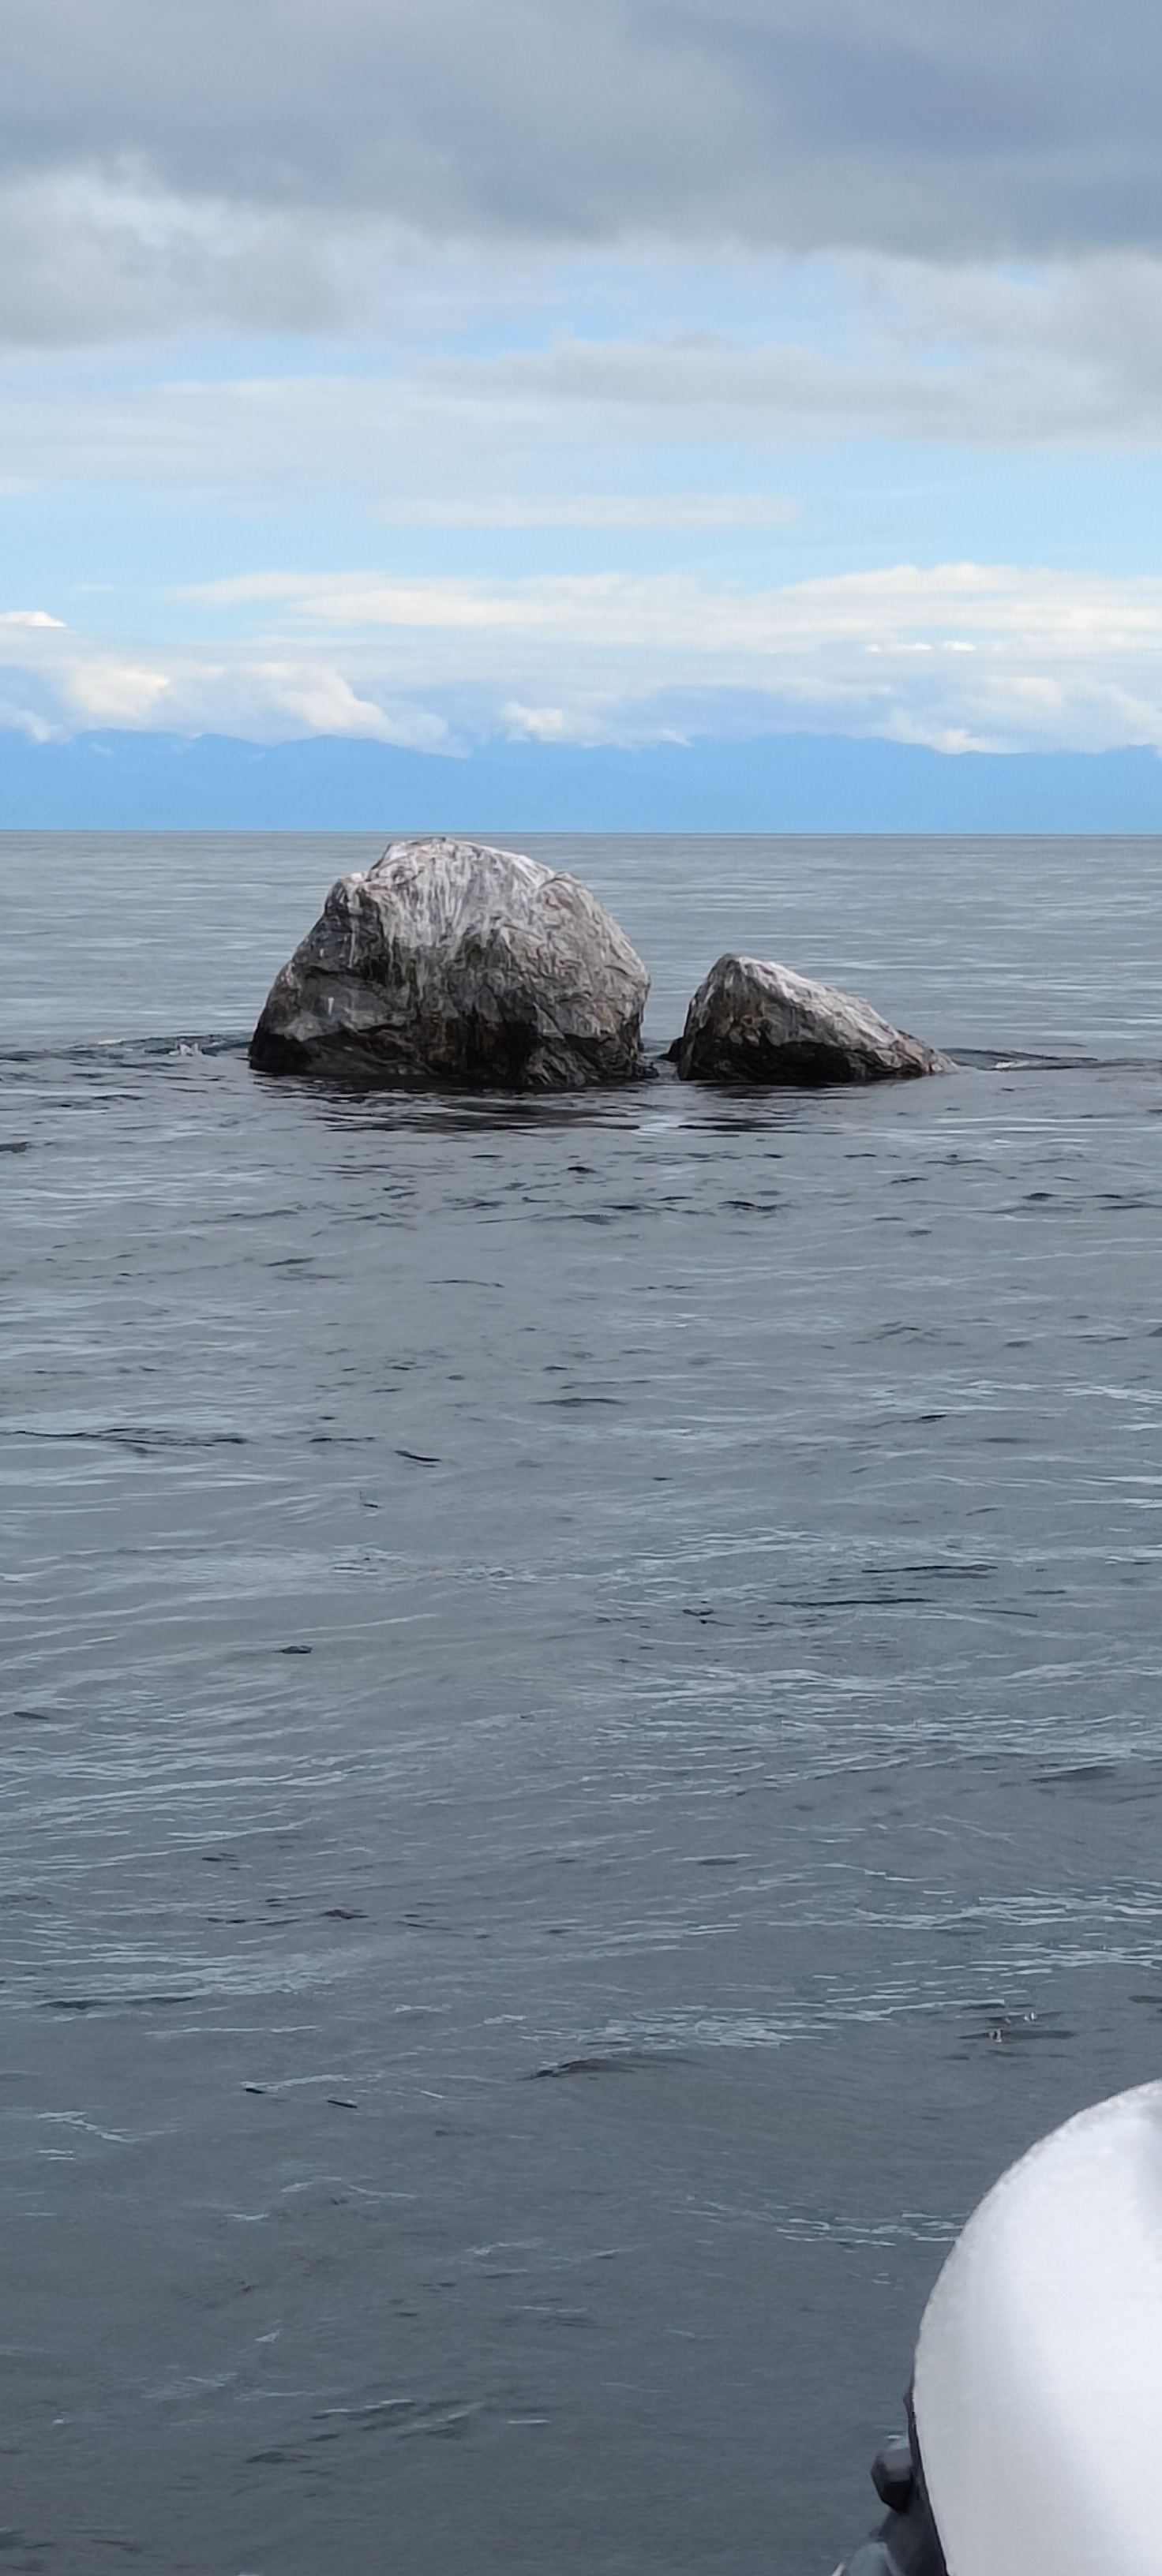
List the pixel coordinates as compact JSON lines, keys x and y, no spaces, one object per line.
{"x":961,"y":656}
{"x":1065,"y":612}
{"x":16,"y":717}
{"x":102,"y":691}
{"x":595,"y":724}
{"x":280,"y":699}
{"x":65,"y":682}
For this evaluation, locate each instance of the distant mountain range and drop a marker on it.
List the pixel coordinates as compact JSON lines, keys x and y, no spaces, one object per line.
{"x":779,"y":783}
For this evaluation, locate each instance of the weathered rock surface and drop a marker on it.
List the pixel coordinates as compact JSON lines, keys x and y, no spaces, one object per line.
{"x":450,"y":963}
{"x":753,"y":1021}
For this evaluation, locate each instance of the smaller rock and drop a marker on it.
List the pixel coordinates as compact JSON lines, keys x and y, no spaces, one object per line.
{"x":753,"y":1021}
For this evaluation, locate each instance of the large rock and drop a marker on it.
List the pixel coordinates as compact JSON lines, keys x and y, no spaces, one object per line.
{"x":753,"y":1021}
{"x":450,"y":963}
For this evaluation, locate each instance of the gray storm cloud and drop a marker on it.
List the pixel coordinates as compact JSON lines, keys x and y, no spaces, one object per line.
{"x":948,"y":128}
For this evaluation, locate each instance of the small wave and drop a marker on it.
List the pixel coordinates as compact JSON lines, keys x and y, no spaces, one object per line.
{"x":1031,"y":1060}
{"x":130,"y":1051}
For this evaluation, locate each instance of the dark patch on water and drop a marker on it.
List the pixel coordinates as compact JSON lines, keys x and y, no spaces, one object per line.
{"x":624,"y":2062}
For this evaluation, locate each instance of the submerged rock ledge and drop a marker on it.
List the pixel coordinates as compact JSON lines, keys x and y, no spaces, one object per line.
{"x":449,"y":963}
{"x":754,"y":1021}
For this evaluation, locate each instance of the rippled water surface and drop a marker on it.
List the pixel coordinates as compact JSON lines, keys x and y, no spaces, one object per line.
{"x":580,"y":1712}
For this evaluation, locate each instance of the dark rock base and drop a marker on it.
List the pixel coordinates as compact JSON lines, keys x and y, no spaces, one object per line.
{"x":458,"y":1056}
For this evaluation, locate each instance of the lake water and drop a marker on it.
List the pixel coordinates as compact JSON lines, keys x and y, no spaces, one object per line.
{"x":580,"y":1712}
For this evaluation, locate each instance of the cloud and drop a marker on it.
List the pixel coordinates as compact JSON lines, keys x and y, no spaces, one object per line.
{"x":292,"y":697}
{"x":960,"y":355}
{"x":962,"y":656}
{"x":601,"y":724}
{"x":918,"y":126}
{"x":64,"y":683}
{"x":549,"y":424}
{"x":577,"y":292}
{"x":104,"y":691}
{"x":96,"y":253}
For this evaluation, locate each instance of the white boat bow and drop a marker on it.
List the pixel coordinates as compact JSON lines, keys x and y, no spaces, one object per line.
{"x":1037,"y":2394}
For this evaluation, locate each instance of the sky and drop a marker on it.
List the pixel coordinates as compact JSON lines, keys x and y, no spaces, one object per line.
{"x":435,"y":372}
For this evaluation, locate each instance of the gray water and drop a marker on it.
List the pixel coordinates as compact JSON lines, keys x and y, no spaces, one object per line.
{"x":580,"y":1712}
